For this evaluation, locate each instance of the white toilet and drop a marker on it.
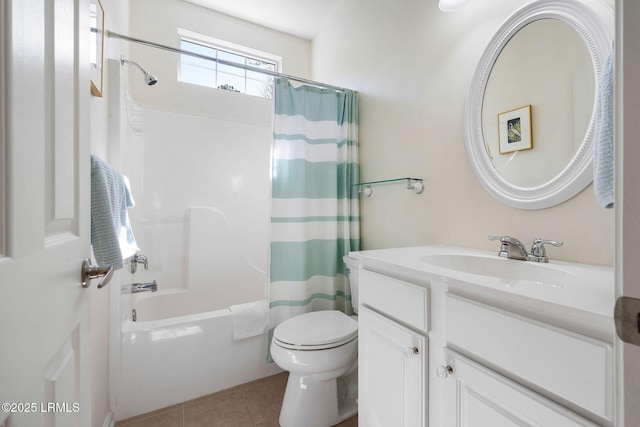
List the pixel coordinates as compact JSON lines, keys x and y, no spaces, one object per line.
{"x":320,"y":351}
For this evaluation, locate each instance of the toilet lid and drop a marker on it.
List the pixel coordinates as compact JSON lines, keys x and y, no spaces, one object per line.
{"x":316,"y":330}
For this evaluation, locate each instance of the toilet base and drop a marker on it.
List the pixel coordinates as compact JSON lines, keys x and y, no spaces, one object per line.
{"x":312,"y":403}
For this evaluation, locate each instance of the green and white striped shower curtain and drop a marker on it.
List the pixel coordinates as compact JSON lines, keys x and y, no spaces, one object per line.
{"x":315,"y":218}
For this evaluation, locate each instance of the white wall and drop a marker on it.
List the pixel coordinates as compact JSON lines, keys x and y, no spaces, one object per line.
{"x":159,"y":22}
{"x":412,"y":65}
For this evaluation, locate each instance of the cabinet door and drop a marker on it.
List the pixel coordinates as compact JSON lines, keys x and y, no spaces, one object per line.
{"x":392,"y":373}
{"x":478,"y":397}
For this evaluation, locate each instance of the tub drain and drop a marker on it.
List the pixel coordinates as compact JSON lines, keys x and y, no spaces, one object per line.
{"x":134,"y":315}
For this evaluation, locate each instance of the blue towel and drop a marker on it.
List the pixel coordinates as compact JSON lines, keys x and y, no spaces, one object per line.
{"x":111,"y":235}
{"x":603,"y":150}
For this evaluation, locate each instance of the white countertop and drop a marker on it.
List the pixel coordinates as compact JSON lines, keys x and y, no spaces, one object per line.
{"x":583,"y":300}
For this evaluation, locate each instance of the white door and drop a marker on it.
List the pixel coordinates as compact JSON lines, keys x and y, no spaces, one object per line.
{"x":392,"y":373}
{"x":44,"y":213}
{"x":628,"y":197}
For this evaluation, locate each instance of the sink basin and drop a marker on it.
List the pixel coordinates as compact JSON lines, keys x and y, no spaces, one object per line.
{"x":567,"y":291}
{"x":510,"y":272}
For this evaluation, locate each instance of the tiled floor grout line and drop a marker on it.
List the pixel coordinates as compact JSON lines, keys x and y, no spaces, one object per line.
{"x":246,"y":405}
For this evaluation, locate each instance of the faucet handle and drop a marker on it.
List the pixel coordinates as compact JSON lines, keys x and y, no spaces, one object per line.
{"x":504,"y":245}
{"x":138,"y":258}
{"x":538,"y":249}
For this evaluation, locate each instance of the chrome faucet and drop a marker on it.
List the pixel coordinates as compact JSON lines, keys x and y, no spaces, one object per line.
{"x":144,"y":287}
{"x":138,"y":259}
{"x":512,"y":248}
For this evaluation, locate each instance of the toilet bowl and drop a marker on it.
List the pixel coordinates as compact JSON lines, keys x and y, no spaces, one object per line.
{"x":320,"y":351}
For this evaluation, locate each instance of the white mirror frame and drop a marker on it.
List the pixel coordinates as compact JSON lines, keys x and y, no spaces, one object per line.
{"x":594,"y":21}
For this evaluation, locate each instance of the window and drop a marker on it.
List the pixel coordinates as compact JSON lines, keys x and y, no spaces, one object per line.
{"x":209,"y":73}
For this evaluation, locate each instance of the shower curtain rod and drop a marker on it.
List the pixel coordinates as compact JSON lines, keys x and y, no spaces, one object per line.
{"x":115,"y":35}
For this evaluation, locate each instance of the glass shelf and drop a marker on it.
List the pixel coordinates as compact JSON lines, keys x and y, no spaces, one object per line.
{"x":415,"y":184}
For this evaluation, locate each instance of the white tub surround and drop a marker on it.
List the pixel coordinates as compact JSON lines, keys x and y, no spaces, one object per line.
{"x":200,"y":170}
{"x":501,"y":339}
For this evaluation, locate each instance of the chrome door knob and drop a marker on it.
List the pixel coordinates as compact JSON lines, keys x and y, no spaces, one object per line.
{"x":88,"y":272}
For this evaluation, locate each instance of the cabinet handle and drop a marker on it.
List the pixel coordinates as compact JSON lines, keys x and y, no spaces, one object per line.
{"x":444,"y":371}
{"x":412,"y":351}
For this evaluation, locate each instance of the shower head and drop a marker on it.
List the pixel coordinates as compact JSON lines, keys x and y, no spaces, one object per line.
{"x":149,"y":79}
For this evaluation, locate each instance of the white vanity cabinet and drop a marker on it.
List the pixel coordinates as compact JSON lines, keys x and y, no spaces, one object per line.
{"x":392,"y":353}
{"x":520,"y":352}
{"x":476,"y":396}
{"x":572,"y":370}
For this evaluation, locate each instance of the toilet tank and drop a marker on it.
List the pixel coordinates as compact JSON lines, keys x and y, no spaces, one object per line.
{"x":352,"y":270}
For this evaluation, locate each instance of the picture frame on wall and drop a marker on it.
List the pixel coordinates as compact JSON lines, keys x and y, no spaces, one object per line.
{"x":96,"y":46}
{"x":514,"y":130}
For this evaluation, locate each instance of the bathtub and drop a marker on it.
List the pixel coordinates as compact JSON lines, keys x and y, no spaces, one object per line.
{"x":177,"y":351}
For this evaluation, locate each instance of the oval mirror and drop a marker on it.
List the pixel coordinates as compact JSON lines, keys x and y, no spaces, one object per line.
{"x":530,"y":110}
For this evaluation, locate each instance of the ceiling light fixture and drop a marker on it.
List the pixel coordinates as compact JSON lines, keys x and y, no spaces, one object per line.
{"x":451,"y":5}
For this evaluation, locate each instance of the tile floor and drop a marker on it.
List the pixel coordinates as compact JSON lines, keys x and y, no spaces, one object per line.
{"x":254,"y":404}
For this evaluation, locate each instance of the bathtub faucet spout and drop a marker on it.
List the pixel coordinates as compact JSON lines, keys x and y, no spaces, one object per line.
{"x":144,"y":287}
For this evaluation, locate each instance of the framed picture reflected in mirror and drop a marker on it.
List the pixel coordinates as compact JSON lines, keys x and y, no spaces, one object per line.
{"x":514,"y":130}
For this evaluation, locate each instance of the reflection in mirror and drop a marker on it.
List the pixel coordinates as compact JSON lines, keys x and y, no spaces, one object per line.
{"x":546,"y":65}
